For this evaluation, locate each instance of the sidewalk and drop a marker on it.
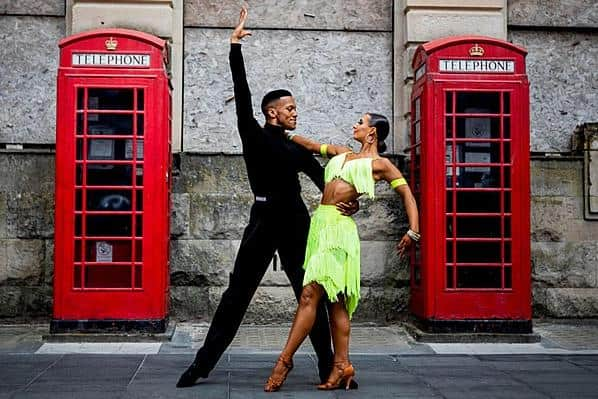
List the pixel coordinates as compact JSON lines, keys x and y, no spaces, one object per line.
{"x":389,"y":364}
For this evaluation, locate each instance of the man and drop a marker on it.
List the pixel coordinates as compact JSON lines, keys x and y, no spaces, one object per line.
{"x":279,"y":220}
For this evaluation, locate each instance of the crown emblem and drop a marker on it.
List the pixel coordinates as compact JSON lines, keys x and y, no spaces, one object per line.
{"x":111,"y":44}
{"x":476,"y":51}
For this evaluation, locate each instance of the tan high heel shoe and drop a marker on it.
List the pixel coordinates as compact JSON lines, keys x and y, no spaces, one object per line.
{"x":339,"y":377}
{"x":275,"y":382}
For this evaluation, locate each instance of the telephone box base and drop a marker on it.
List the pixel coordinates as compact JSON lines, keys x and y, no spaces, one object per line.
{"x":108,"y":326}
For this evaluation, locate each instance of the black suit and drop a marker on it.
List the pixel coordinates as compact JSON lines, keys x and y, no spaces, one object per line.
{"x":279,"y":221}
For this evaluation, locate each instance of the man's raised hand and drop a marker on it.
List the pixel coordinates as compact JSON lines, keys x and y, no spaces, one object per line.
{"x":240,"y":32}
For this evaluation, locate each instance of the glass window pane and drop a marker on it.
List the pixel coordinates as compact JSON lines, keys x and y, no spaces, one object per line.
{"x":77,"y":248}
{"x":110,"y":149}
{"x":80,"y":98}
{"x":139,"y":175}
{"x":106,"y":251}
{"x":78,"y":225}
{"x":109,"y":175}
{"x":78,"y":199}
{"x":449,"y":102}
{"x":118,"y":124}
{"x":448,"y":127}
{"x":478,"y":202}
{"x":506,"y":152}
{"x":138,"y":250}
{"x":507,"y":227}
{"x":508,"y":277}
{"x":478,"y":129}
{"x":109,"y":225}
{"x":77,"y":276}
{"x":479,"y":277}
{"x":80,"y":126}
{"x":508,"y":254}
{"x":449,"y":252}
{"x":140,"y":99}
{"x":478,"y":252}
{"x":507,"y":103}
{"x":140,"y":125}
{"x":107,"y":276}
{"x":483,"y":227}
{"x":449,"y":226}
{"x":507,"y":128}
{"x":449,"y":201}
{"x":112,"y":200}
{"x":475,"y":177}
{"x":507,"y":201}
{"x":117,"y":99}
{"x":139,"y":226}
{"x":138,"y":277}
{"x":417,"y":106}
{"x":478,"y":102}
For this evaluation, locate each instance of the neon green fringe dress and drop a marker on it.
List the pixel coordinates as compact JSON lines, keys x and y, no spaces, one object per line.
{"x":332,"y":255}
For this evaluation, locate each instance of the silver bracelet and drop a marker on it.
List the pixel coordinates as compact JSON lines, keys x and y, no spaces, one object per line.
{"x":290,"y":136}
{"x":413,"y":235}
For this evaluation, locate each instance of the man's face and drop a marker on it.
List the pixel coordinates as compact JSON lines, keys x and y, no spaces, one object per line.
{"x":285,"y":112}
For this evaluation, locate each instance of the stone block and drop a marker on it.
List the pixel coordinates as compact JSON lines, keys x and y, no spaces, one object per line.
{"x":565,"y":264}
{"x":381,"y":265}
{"x":33,"y":7}
{"x":28,"y":78}
{"x":23,"y":265}
{"x":212,"y":174}
{"x":36,"y":173}
{"x":480,"y":4}
{"x":154,"y":18}
{"x":538,"y":301}
{"x":382,"y":219}
{"x":189,"y":303}
{"x":47,"y":264}
{"x":219,"y":216}
{"x":359,"y":15}
{"x":331,"y":75}
{"x":382,"y":304}
{"x":25,"y":302}
{"x":556,"y":219}
{"x":201,"y":262}
{"x":572,"y":302}
{"x":556,"y":178}
{"x":546,"y":13}
{"x":3,"y":216}
{"x":425,"y":25}
{"x":561,"y":69}
{"x":407,"y":59}
{"x":179,"y":215}
{"x":30,"y":215}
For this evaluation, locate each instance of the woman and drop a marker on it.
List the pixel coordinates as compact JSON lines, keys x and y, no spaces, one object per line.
{"x":332,"y":254}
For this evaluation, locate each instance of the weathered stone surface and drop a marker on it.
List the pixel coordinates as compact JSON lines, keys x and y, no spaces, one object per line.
{"x":216,"y":216}
{"x":538,"y":301}
{"x":382,"y":304}
{"x":179,"y":215}
{"x":3,"y":216}
{"x":560,"y":219}
{"x":212,"y":174}
{"x":151,"y":17}
{"x":32,"y":7}
{"x":189,"y":303}
{"x":425,"y":25}
{"x":28,"y":64}
{"x":201,"y":262}
{"x":25,"y":302}
{"x":572,"y":302}
{"x":30,"y":215}
{"x":382,"y":219}
{"x":331,"y":75}
{"x":359,"y":15}
{"x":47,"y":264}
{"x":556,"y":178}
{"x":381,"y":266}
{"x":568,"y":264}
{"x":23,"y":261}
{"x":35,"y":172}
{"x":564,"y":13}
{"x":561,"y":67}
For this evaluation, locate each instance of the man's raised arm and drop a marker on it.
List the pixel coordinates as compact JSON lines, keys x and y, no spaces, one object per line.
{"x":237,"y":67}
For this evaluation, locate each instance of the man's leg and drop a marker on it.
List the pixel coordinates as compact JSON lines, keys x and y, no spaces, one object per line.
{"x":292,"y":254}
{"x":255,"y":253}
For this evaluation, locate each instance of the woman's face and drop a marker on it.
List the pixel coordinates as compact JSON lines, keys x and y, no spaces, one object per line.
{"x":362,"y":131}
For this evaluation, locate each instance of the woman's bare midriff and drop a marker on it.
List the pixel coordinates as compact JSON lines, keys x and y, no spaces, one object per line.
{"x":337,"y":191}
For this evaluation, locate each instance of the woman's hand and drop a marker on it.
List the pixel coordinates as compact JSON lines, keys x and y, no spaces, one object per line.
{"x":240,"y":32}
{"x":347,"y":208}
{"x":404,"y":244}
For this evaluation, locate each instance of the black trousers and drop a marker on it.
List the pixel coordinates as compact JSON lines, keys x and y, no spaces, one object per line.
{"x":271,"y":227}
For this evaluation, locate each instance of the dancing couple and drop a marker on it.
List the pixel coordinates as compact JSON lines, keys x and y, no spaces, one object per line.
{"x":321,"y":258}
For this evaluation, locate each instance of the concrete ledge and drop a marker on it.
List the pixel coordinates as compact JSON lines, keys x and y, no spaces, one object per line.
{"x":421,"y":336}
{"x":112,"y":336}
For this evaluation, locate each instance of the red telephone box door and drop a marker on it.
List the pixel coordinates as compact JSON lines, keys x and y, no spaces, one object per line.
{"x":112,"y":193}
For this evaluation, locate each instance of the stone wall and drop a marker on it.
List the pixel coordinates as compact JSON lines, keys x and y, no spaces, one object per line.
{"x":564,"y":245}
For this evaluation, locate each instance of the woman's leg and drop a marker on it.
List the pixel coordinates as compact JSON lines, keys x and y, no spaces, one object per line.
{"x":302,"y":324}
{"x":340,"y":326}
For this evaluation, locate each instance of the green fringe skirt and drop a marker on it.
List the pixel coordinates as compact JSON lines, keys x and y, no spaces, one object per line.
{"x":332,"y":255}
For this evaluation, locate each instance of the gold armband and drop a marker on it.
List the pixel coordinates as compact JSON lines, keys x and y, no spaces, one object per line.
{"x":324,"y":150}
{"x":398,"y":182}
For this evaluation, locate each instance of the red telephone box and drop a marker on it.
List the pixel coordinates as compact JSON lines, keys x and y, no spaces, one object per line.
{"x":470,"y":170}
{"x":113,"y":142}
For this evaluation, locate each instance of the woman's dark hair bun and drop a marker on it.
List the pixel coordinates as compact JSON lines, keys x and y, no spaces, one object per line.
{"x":381,"y":146}
{"x":382,"y":127}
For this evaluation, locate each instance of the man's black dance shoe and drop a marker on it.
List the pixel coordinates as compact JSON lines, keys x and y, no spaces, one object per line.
{"x":190,"y":376}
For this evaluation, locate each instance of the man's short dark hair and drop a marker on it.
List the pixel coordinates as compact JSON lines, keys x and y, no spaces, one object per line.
{"x":273,"y":96}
